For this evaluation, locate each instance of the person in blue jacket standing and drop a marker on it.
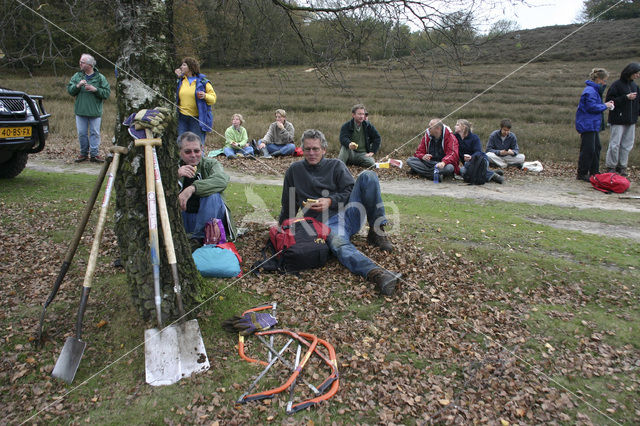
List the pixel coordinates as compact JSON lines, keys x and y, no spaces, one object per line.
{"x":589,"y":123}
{"x":194,"y":97}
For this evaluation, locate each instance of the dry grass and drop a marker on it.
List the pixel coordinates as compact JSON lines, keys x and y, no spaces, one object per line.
{"x":540,"y":99}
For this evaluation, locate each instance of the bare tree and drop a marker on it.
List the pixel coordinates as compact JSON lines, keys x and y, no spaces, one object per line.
{"x":444,"y":32}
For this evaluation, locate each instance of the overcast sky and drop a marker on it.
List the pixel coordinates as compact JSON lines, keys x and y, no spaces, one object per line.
{"x":544,"y":13}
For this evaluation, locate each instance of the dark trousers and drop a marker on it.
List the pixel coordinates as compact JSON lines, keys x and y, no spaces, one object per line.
{"x":589,"y":159}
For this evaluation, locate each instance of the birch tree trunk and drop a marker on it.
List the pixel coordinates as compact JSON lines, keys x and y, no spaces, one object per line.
{"x":145,"y":79}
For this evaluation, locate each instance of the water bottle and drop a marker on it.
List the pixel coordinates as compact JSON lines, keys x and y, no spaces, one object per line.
{"x":436,"y":175}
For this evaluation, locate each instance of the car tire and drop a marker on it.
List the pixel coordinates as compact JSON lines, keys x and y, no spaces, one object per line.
{"x":14,"y":165}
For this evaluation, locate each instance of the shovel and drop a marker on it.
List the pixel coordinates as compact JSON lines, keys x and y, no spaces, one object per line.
{"x":71,"y":251}
{"x":69,"y":360}
{"x":176,"y":351}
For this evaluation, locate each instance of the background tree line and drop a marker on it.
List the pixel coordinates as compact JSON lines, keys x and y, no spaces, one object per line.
{"x":49,"y":35}
{"x":35,"y":34}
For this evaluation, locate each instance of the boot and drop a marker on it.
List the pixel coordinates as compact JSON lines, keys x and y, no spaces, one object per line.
{"x":623,"y":172}
{"x":497,"y":178}
{"x":379,"y":239}
{"x":265,"y":153}
{"x":385,"y":282}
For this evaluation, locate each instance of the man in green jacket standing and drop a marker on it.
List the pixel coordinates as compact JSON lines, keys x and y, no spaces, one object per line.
{"x":202,"y":181}
{"x":90,"y":89}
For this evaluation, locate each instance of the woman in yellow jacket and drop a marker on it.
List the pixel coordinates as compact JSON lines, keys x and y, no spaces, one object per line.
{"x":194,"y":99}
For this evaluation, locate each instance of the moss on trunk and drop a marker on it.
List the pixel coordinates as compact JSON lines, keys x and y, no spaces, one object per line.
{"x":145,"y":79}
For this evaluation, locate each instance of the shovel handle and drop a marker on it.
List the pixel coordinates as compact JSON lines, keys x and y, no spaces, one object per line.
{"x":154,"y":246}
{"x":71,"y":251}
{"x":95,"y":247}
{"x":166,"y":230}
{"x":164,"y":215}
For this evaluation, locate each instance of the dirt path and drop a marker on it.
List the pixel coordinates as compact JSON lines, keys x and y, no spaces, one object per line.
{"x":525,"y":188}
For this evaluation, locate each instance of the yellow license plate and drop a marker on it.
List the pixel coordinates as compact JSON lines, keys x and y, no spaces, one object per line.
{"x":15,"y":132}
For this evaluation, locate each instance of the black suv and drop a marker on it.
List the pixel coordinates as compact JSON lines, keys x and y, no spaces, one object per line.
{"x":24,"y":127}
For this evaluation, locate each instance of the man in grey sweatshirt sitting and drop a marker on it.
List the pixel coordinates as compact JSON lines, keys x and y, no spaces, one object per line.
{"x":325,"y":190}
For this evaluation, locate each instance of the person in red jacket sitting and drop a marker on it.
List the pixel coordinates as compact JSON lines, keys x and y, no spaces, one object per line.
{"x":438,"y":148}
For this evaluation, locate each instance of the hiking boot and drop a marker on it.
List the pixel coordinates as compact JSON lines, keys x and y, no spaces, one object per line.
{"x":498,"y":171}
{"x":379,"y":239}
{"x":385,"y":282}
{"x":611,"y":170}
{"x":497,"y":178}
{"x":265,"y":153}
{"x":583,"y":177}
{"x":81,"y":158}
{"x":623,"y":172}
{"x":97,"y":159}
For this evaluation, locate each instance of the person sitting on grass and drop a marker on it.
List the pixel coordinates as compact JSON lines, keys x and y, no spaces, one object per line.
{"x":237,"y":141}
{"x":324,"y":189}
{"x":438,"y":149}
{"x":502,"y":147}
{"x":468,"y":144}
{"x":359,"y":139}
{"x":279,"y":138}
{"x":202,"y":182}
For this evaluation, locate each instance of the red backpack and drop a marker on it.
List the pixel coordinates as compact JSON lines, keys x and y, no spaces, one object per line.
{"x":609,"y":182}
{"x":298,"y":244}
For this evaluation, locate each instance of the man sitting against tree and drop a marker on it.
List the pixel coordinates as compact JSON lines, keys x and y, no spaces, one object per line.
{"x":359,"y":139}
{"x":202,"y":182}
{"x":438,"y":149}
{"x":502,"y":147}
{"x":325,"y":190}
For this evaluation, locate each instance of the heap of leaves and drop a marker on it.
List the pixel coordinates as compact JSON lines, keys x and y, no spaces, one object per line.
{"x":446,"y":348}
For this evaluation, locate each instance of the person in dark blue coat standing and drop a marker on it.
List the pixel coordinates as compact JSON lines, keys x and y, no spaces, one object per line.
{"x":626,"y":96}
{"x":589,"y":123}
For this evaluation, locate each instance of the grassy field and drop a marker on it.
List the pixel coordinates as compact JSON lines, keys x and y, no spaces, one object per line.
{"x":498,"y":318}
{"x":540,"y":99}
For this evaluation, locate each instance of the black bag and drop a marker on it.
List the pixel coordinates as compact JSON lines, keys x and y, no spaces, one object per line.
{"x":298,"y":244}
{"x":476,"y":169}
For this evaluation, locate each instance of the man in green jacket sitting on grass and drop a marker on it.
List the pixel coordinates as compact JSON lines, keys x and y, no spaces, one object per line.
{"x":359,"y":139}
{"x":90,"y":89}
{"x":202,"y":182}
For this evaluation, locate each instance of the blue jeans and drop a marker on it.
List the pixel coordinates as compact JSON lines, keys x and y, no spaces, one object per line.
{"x":88,"y":134}
{"x":231,"y":152}
{"x":210,"y":206}
{"x":364,"y":201}
{"x":286,"y":149}
{"x":186,"y":123}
